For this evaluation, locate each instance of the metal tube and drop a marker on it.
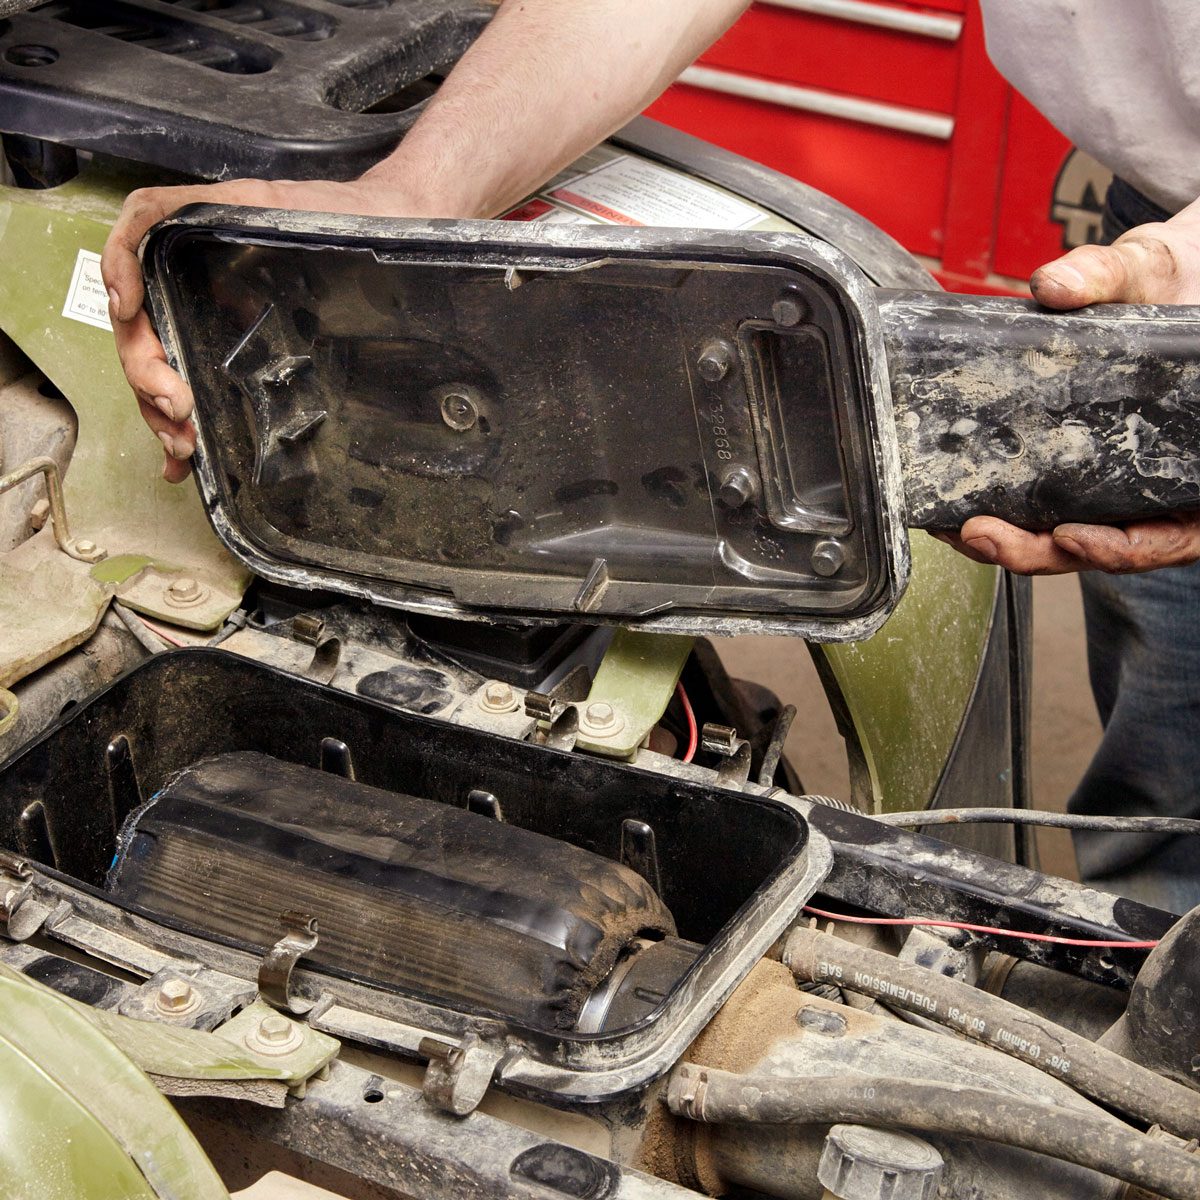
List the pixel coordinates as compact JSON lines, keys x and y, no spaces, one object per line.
{"x":862,"y":12}
{"x":58,"y":510}
{"x":828,"y":104}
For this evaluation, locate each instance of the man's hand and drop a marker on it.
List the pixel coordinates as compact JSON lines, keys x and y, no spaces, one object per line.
{"x":164,"y":398}
{"x":1152,"y":264}
{"x":1170,"y":541}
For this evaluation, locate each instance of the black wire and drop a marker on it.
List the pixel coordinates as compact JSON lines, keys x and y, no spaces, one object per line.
{"x":1041,"y":817}
{"x":774,"y":751}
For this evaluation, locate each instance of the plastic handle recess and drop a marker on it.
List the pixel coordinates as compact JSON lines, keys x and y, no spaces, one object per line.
{"x":1040,"y":417}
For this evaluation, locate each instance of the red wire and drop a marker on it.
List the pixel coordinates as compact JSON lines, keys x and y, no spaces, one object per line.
{"x":162,"y":633}
{"x":1012,"y":933}
{"x":693,"y":732}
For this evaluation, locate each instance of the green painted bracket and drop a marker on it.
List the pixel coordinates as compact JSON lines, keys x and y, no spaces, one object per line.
{"x":177,"y":1052}
{"x":636,"y":679}
{"x":80,"y":1120}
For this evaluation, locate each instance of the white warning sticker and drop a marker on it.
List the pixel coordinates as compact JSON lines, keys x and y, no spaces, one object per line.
{"x":631,"y":191}
{"x":87,"y":299}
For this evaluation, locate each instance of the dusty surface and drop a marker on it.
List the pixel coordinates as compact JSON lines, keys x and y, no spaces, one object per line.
{"x":1065,"y":726}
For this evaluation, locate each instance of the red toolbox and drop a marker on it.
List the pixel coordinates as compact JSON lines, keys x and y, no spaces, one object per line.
{"x":895,"y":109}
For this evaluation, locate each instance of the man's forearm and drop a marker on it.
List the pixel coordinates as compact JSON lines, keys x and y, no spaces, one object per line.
{"x":543,"y":84}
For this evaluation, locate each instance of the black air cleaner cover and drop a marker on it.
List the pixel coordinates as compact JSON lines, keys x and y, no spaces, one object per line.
{"x":686,"y":431}
{"x":407,"y":892}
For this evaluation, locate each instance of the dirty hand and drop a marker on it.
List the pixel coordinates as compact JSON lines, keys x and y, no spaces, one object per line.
{"x":1152,"y":264}
{"x":164,"y":398}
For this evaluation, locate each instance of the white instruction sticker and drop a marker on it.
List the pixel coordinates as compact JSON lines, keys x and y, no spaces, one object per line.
{"x":630,"y":191}
{"x":87,"y":299}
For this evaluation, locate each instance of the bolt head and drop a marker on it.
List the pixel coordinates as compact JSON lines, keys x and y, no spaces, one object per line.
{"x":600,"y":714}
{"x":498,"y":697}
{"x":274,"y":1029}
{"x":714,"y":362}
{"x":787,"y":310}
{"x":601,"y":720}
{"x":184,"y":591}
{"x":828,"y":557}
{"x":737,"y":488}
{"x":459,"y":411}
{"x":85,"y":547}
{"x":175,"y":995}
{"x":274,"y":1035}
{"x":184,"y":588}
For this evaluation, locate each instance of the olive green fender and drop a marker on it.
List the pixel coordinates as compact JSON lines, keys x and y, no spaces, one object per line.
{"x":78,"y":1121}
{"x":146,"y":532}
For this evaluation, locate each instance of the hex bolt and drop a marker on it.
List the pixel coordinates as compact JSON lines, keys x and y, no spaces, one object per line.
{"x":275,"y":1030}
{"x":600,"y":714}
{"x":82,"y":548}
{"x":274,"y":1034}
{"x":601,"y":719}
{"x":714,"y":361}
{"x":185,"y":590}
{"x":175,"y":996}
{"x":828,"y":557}
{"x":497,"y":697}
{"x":787,"y":310}
{"x":737,"y":487}
{"x":459,"y":411}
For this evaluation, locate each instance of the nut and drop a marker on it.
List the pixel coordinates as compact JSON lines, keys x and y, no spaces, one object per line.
{"x":601,"y":719}
{"x":176,"y":996}
{"x":184,"y":592}
{"x":497,"y":697}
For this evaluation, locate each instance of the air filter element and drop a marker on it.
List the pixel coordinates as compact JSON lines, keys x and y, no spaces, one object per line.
{"x":433,"y":900}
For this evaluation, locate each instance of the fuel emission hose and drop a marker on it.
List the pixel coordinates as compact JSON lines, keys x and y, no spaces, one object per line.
{"x":1086,"y":1139}
{"x":1093,"y":1070}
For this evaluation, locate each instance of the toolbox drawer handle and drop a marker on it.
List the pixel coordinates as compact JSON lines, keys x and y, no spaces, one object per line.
{"x":862,"y":12}
{"x":830,"y":104}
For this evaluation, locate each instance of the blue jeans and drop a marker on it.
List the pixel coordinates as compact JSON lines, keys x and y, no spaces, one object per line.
{"x":1143,"y":634}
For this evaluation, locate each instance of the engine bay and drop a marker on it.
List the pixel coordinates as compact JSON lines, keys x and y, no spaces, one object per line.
{"x":519,"y":892}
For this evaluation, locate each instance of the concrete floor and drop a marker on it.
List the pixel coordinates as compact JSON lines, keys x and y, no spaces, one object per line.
{"x":1065,"y":728}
